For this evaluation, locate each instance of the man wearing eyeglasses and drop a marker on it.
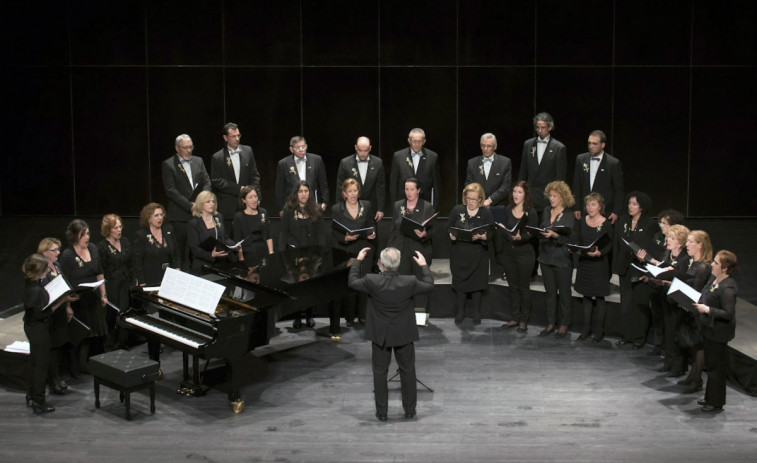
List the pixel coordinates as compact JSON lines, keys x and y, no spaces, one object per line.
{"x":181,"y":175}
{"x":543,"y":160}
{"x":301,"y":165}
{"x":418,"y":162}
{"x":492,"y":171}
{"x":231,"y":168}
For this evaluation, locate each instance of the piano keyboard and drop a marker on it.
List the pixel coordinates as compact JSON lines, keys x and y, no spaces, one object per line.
{"x":168,"y":330}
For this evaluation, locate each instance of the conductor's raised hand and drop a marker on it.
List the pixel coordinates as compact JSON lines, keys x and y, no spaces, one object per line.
{"x":419,"y":259}
{"x":362,"y":253}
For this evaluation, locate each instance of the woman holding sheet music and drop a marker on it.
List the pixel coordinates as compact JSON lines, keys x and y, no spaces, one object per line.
{"x":37,"y":328}
{"x":593,"y":274}
{"x":637,"y":228}
{"x":699,"y":249}
{"x":469,"y":255}
{"x":81,"y":264}
{"x":718,"y":316}
{"x":559,"y":224}
{"x":408,"y":240}
{"x":301,"y":227}
{"x":116,"y":256}
{"x":252,"y":224}
{"x":50,"y":249}
{"x":352,"y":214}
{"x":155,"y":247}
{"x":206,"y":224}
{"x":519,"y":254}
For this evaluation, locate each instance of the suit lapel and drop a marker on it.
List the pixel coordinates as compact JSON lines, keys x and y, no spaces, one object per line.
{"x":183,"y":173}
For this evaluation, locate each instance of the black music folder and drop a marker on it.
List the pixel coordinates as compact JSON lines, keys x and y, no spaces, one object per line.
{"x":519,"y":225}
{"x":636,"y":248}
{"x":357,"y":232}
{"x":211,"y":242}
{"x":466,"y":234}
{"x":77,"y":331}
{"x":408,"y":226}
{"x":560,"y":229}
{"x":683,"y":294}
{"x":600,"y":242}
{"x":654,"y":271}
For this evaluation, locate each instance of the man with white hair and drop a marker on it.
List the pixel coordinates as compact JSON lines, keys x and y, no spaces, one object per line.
{"x":390,"y":323}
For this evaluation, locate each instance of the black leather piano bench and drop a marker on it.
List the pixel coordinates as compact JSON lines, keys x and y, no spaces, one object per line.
{"x":125,"y":372}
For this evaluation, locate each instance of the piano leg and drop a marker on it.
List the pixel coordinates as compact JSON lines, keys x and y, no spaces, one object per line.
{"x":233,"y":369}
{"x":185,"y":365}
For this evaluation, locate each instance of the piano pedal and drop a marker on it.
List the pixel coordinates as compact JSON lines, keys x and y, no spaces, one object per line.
{"x":237,"y":406}
{"x":160,"y":374}
{"x":336,"y":338}
{"x":192,"y":390}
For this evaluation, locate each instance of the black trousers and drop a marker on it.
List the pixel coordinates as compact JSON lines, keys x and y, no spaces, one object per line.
{"x":180,"y":229}
{"x":634,"y":309}
{"x":674,"y":353}
{"x":594,"y":320}
{"x":657,"y":314}
{"x":38,"y":334}
{"x":716,"y":363}
{"x":557,"y":286}
{"x":381,"y":358}
{"x":519,"y":263}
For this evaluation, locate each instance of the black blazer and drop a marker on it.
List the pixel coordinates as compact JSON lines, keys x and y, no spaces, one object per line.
{"x":643,"y":235}
{"x":552,"y":250}
{"x":177,"y":188}
{"x":374,"y":188}
{"x":554,"y":166}
{"x":224,"y":182}
{"x":150,"y":259}
{"x":390,"y":316}
{"x":299,"y":233}
{"x":720,"y":323}
{"x":608,"y":182}
{"x":497,"y":186}
{"x":428,"y":174}
{"x":196,"y":233}
{"x":364,"y":220}
{"x":287,"y":176}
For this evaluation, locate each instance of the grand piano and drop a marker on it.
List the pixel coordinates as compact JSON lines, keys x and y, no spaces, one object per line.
{"x":254,"y":299}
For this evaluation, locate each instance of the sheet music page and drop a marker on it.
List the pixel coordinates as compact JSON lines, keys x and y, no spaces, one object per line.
{"x":192,"y":291}
{"x":56,"y":288}
{"x":655,"y":270}
{"x":92,"y":285}
{"x":688,"y":291}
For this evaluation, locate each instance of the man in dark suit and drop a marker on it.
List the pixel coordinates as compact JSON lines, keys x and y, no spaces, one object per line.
{"x":599,"y":172}
{"x":390,"y":323}
{"x":181,"y":175}
{"x":492,"y":171}
{"x":230,"y":169}
{"x":543,"y":160}
{"x":301,"y":165}
{"x":368,"y":171}
{"x":419,"y":162}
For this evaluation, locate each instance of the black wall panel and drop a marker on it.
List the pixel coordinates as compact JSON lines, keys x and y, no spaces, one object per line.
{"x":37,"y":174}
{"x":108,"y":87}
{"x":649,"y":137}
{"x":107,"y":33}
{"x":339,"y":32}
{"x":263,"y":32}
{"x":722,"y":164}
{"x":111,"y":154}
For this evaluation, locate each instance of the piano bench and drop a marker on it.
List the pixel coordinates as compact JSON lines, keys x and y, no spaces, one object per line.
{"x":125,"y":372}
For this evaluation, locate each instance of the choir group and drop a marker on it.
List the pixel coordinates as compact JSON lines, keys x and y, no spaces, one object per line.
{"x":499,"y":227}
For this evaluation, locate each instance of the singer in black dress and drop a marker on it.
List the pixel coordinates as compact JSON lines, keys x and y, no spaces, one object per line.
{"x":117,"y":260}
{"x":354,"y":214}
{"x":554,"y":258}
{"x":469,"y":260}
{"x":252,"y":224}
{"x":718,"y":316}
{"x":593,"y":273}
{"x":81,"y":264}
{"x":518,"y":252}
{"x":206,"y":223}
{"x":418,"y":209}
{"x":155,"y":246}
{"x":637,"y":226}
{"x":300,"y":228}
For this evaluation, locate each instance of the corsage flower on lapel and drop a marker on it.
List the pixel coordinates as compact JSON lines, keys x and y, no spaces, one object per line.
{"x":150,"y":238}
{"x":402,"y":210}
{"x":181,"y":168}
{"x":218,"y":222}
{"x":293,"y":170}
{"x":355,"y":173}
{"x":262,"y":218}
{"x":410,"y":163}
{"x":462,"y":217}
{"x":79,"y":262}
{"x":481,"y":169}
{"x":228,"y":162}
{"x":533,"y":151}
{"x":586,"y":167}
{"x":360,"y":212}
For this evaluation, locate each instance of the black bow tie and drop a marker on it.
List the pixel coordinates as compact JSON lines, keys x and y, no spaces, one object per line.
{"x":542,"y":141}
{"x":596,"y":158}
{"x":300,"y":160}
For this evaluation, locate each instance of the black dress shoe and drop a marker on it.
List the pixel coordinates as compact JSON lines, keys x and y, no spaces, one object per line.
{"x":40,"y":408}
{"x":297,"y":324}
{"x":521,"y":329}
{"x":350,"y":323}
{"x":310,"y":322}
{"x":560,"y":335}
{"x":57,"y":389}
{"x":459,"y":317}
{"x":581,"y":337}
{"x":694,"y":387}
{"x":710,"y":408}
{"x":410,"y":415}
{"x":381,"y":417}
{"x":546,"y":332}
{"x":701,"y":402}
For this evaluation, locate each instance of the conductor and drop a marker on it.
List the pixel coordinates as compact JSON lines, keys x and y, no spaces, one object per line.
{"x":390,"y":323}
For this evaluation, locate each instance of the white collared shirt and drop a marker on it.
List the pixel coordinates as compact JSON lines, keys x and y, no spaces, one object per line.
{"x":362,"y":167}
{"x":540,"y":149}
{"x":594,"y":168}
{"x":301,"y":167}
{"x":416,"y":157}
{"x":235,"y":161}
{"x":187,"y":169}
{"x":487,"y":162}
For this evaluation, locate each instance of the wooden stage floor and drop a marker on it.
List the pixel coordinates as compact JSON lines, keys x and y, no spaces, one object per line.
{"x":498,"y":396}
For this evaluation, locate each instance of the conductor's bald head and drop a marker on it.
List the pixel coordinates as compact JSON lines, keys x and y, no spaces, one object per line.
{"x":389,"y":259}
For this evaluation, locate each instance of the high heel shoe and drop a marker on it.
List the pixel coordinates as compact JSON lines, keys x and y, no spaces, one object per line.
{"x":582,"y":336}
{"x":297,"y":324}
{"x":459,"y":317}
{"x":695,"y":387}
{"x":310,"y":322}
{"x":547,"y":331}
{"x":40,"y":408}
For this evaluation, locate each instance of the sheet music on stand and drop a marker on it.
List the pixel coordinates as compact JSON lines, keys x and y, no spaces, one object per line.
{"x":192,"y":291}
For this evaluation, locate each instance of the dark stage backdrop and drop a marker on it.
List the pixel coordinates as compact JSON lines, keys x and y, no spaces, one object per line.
{"x":94,"y":93}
